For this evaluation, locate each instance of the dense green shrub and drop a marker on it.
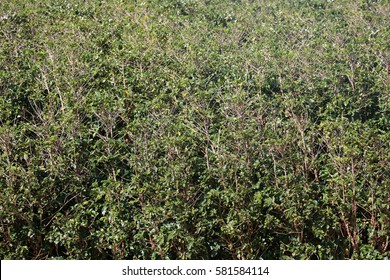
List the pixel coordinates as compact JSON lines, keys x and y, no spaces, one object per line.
{"x":194,"y":129}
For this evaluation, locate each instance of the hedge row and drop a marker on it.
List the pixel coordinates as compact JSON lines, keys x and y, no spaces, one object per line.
{"x":194,"y":129}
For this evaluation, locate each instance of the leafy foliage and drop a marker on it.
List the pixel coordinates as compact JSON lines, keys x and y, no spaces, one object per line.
{"x":194,"y":129}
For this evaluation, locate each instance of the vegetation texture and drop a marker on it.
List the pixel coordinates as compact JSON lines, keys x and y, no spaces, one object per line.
{"x":194,"y":129}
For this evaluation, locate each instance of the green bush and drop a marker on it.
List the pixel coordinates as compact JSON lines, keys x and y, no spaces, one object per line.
{"x":194,"y":129}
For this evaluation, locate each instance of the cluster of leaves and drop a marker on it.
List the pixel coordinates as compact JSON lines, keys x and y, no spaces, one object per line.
{"x":194,"y":129}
